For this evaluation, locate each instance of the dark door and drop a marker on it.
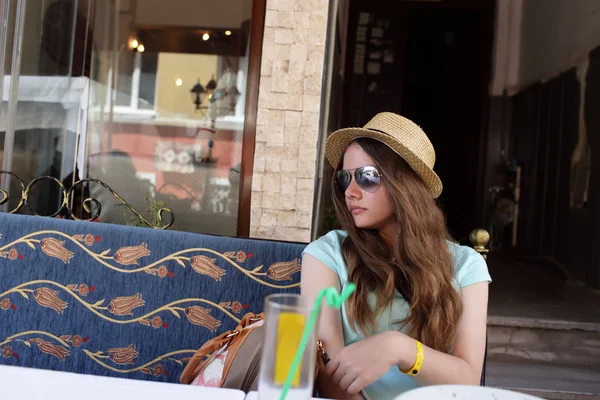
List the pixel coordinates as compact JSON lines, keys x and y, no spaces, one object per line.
{"x":434,"y":69}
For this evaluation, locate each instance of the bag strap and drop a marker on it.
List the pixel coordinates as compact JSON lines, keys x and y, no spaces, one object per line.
{"x":323,"y":358}
{"x":226,"y":338}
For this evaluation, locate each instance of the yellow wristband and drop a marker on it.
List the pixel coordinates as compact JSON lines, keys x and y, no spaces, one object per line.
{"x":414,"y":371}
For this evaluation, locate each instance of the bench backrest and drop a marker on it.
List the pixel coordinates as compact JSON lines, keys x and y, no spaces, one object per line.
{"x":128,"y":302}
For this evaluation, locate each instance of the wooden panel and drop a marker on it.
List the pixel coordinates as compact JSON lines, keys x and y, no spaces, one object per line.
{"x":429,"y":82}
{"x":545,"y":132}
{"x":541,"y":156}
{"x":573,"y":233}
{"x":524,"y":128}
{"x":592,"y":117}
{"x":256,"y":39}
{"x":551,"y":172}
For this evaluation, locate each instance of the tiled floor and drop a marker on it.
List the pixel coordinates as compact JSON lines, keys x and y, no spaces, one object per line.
{"x":549,"y":379}
{"x":538,"y":291}
{"x":537,"y":295}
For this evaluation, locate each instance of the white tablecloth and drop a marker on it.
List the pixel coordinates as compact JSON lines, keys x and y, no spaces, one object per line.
{"x":17,"y":383}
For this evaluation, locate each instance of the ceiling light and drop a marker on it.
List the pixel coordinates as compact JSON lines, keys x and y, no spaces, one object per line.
{"x":205,"y":37}
{"x":228,"y":32}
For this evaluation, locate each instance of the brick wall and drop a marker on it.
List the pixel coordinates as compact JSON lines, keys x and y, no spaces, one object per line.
{"x":288,"y":119}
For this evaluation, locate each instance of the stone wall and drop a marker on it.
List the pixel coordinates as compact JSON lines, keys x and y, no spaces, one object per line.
{"x":288,"y":119}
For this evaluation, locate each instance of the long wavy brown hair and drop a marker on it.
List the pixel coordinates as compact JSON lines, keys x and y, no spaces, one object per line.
{"x":420,"y":266}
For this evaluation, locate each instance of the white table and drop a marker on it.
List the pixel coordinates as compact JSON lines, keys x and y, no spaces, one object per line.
{"x":451,"y":392}
{"x":254,"y":396}
{"x":18,"y":383}
{"x":463,"y":392}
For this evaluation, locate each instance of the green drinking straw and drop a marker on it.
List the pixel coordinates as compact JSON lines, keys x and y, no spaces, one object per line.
{"x":334,"y":300}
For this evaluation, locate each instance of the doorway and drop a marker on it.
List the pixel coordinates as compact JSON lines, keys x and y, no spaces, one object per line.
{"x":430,"y":62}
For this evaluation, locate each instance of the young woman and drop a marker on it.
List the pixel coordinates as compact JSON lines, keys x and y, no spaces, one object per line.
{"x":418,"y":316}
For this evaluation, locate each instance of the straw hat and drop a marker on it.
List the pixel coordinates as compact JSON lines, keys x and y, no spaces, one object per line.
{"x":400,"y":134}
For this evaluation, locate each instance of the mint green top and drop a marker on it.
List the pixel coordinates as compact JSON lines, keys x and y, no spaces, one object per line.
{"x":470,"y":268}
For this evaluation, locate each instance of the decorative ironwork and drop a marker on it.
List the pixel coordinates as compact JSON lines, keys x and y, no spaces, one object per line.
{"x":67,"y":203}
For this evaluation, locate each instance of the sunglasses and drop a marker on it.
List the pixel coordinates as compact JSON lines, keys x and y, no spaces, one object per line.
{"x":368,"y":178}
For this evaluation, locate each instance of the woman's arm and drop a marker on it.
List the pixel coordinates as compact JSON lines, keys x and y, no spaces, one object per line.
{"x":360,"y":364}
{"x":315,"y":277}
{"x":465,"y":363}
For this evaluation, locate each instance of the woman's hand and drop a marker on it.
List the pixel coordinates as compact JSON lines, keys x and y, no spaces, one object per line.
{"x":360,"y":364}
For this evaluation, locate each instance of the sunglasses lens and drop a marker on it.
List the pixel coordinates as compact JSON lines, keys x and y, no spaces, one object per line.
{"x":343,"y":180}
{"x":368,"y":178}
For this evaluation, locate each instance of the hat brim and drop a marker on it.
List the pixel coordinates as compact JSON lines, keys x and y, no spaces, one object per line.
{"x":338,"y":142}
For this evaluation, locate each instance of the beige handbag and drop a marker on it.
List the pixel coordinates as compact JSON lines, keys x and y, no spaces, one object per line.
{"x":232,"y":359}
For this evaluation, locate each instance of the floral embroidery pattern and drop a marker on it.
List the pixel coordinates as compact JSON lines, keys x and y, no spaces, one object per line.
{"x":280,"y":271}
{"x":156,"y":322}
{"x":236,"y":306}
{"x":49,"y":348}
{"x":5,"y":304}
{"x":161,"y":272}
{"x":122,"y":356}
{"x":128,"y":355}
{"x":49,"y":298}
{"x":118,"y":356}
{"x":131,"y":255}
{"x":75,"y":340}
{"x":124,"y":305}
{"x":158,"y":370}
{"x":12,"y":255}
{"x":56,"y":248}
{"x":88,"y":239}
{"x":283,"y":271}
{"x":205,"y":265}
{"x":200,"y":316}
{"x":127,"y":306}
{"x":82,"y":289}
{"x":239,"y":256}
{"x":8,"y":352}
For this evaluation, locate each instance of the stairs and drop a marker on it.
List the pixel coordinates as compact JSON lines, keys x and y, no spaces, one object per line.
{"x":545,"y":380}
{"x":548,"y":359}
{"x":543,"y":331}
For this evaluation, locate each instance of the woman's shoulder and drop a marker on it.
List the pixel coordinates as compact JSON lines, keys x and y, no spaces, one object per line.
{"x":470,"y":267}
{"x":330,"y":242}
{"x":332,"y":238}
{"x":328,"y":250}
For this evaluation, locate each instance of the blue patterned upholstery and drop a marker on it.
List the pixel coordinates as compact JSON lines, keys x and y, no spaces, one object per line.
{"x":127,"y":302}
